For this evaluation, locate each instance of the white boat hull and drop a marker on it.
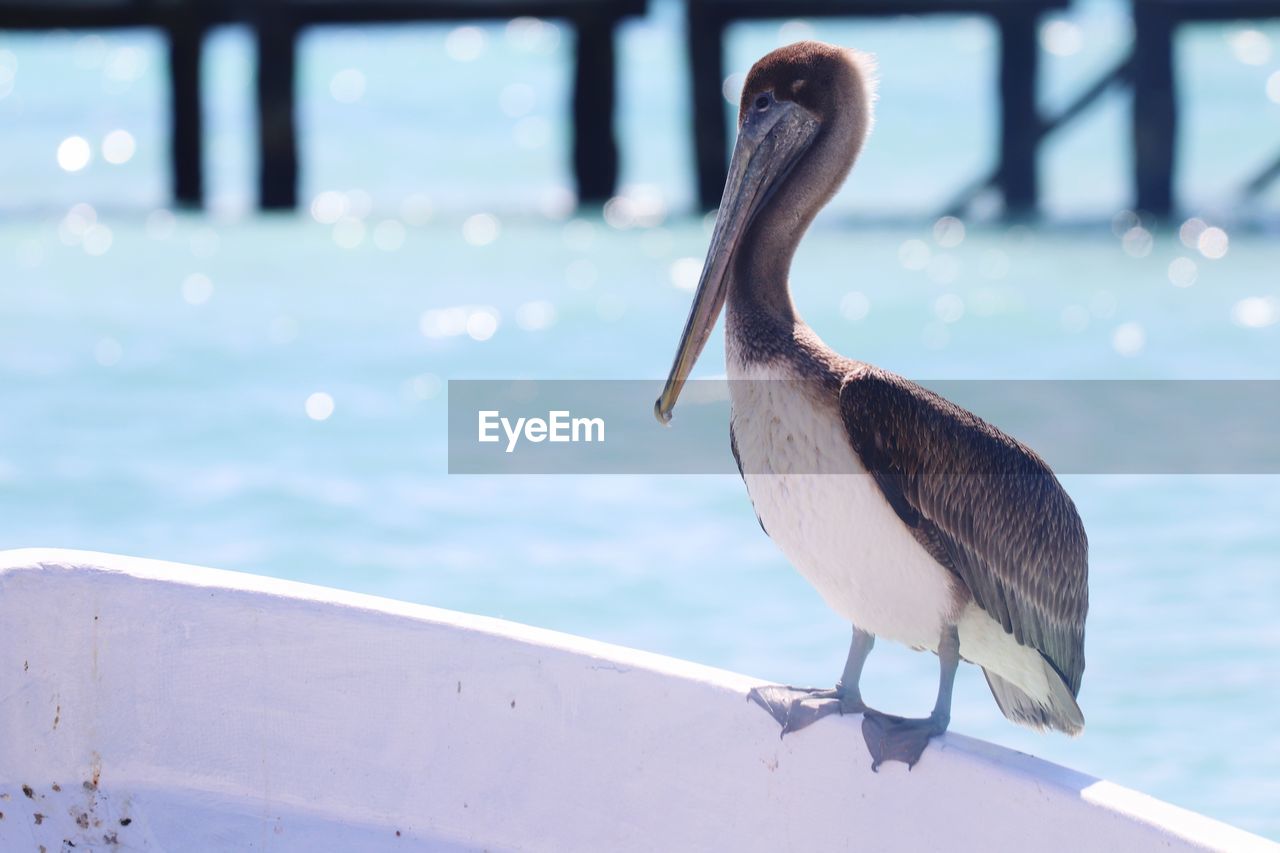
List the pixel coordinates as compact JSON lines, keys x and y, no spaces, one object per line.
{"x":187,"y":709}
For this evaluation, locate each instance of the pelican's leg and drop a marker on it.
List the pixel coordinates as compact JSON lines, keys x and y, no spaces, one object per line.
{"x":797,"y":707}
{"x":891,"y":738}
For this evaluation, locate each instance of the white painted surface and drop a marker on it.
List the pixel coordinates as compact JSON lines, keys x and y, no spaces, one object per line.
{"x":223,"y":711}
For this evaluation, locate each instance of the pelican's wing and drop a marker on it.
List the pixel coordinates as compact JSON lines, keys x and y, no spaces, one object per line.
{"x":984,"y":506}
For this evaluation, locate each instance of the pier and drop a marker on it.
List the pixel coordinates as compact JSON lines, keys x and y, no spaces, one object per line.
{"x":1148,"y":71}
{"x":276,"y":25}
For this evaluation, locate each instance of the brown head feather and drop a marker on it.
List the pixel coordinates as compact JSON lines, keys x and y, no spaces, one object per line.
{"x":812,"y":74}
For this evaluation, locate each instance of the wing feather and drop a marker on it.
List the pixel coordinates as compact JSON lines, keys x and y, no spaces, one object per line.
{"x":984,"y":505}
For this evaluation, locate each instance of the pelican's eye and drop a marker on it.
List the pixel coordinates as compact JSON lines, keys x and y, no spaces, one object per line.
{"x":762,"y":103}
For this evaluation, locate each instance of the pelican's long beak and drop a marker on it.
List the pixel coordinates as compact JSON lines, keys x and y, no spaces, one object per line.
{"x":770,"y":142}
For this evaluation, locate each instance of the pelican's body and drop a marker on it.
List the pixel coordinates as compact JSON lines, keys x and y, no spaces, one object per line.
{"x":815,"y":497}
{"x":837,"y":530}
{"x":914,"y":519}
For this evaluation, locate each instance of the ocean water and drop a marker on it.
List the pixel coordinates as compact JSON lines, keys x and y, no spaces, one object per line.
{"x":267,"y":393}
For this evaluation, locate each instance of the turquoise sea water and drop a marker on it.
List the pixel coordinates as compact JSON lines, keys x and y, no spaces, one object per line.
{"x":266,"y":393}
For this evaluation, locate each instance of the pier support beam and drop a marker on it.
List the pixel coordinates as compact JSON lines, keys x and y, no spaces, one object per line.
{"x":1155,"y":117}
{"x":277,"y":134}
{"x":595,"y":149}
{"x":1019,"y":115}
{"x":186,"y":38}
{"x":705,"y":44}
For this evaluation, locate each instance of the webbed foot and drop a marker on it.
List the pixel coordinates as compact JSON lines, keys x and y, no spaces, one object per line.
{"x":892,"y":738}
{"x":797,"y":707}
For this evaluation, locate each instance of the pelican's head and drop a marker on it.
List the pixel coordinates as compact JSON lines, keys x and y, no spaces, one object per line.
{"x":804,"y":113}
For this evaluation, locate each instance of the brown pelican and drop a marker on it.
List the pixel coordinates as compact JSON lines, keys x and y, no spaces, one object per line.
{"x":916,"y":520}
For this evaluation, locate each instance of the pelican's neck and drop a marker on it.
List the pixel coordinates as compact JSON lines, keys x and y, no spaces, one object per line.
{"x":762,"y":323}
{"x":759,"y":296}
{"x":760,"y":277}
{"x":760,"y":281}
{"x":761,"y":272}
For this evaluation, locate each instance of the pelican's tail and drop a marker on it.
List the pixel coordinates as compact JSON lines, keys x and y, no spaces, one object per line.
{"x":1057,"y":711}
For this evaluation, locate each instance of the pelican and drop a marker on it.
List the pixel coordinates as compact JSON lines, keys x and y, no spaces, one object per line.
{"x":915,"y":520}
